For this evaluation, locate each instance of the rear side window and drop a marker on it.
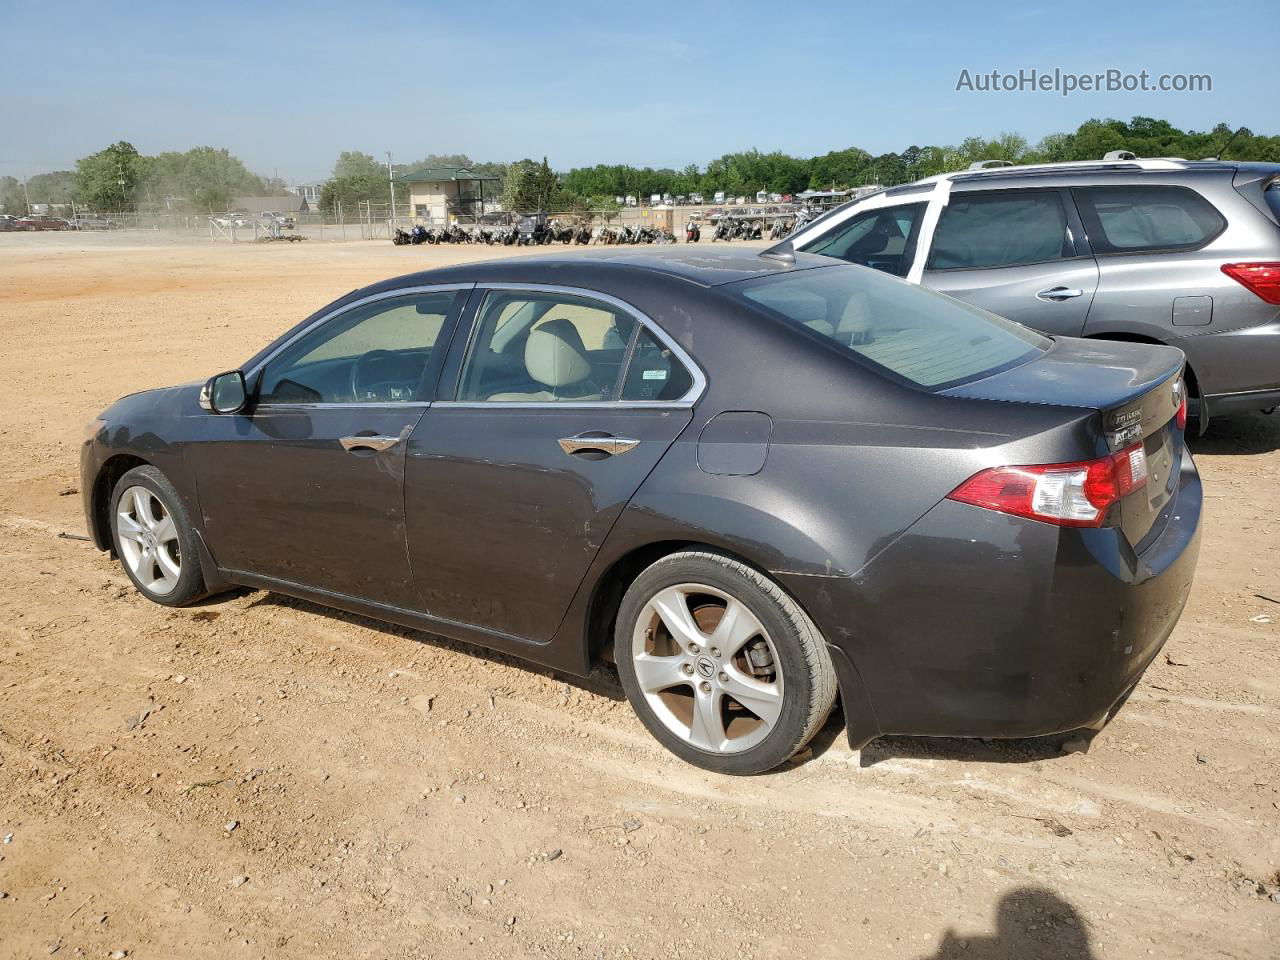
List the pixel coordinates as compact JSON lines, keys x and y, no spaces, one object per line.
{"x":1272,"y":193}
{"x":1000,"y":230}
{"x":1134,"y":219}
{"x":653,"y":373}
{"x":909,"y":331}
{"x":884,"y":239}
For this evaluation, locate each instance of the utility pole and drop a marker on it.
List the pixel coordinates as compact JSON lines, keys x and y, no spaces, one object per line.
{"x":26,"y":198}
{"x":391,"y":182}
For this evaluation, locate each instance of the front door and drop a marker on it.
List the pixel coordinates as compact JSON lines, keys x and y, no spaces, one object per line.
{"x":307,"y":485}
{"x":1014,"y":253}
{"x":565,"y":404}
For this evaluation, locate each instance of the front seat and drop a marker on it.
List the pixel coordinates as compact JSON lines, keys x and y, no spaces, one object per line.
{"x":555,"y":357}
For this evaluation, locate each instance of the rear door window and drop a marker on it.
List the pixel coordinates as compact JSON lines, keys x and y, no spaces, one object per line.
{"x":1137,"y":219}
{"x":884,"y":238}
{"x":1000,"y":230}
{"x":910,"y":332}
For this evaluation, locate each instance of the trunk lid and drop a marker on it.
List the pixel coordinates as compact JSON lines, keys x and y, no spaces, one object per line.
{"x":1137,"y":390}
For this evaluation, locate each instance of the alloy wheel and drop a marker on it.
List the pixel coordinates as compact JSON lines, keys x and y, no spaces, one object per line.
{"x":148,"y":540}
{"x":707,"y":668}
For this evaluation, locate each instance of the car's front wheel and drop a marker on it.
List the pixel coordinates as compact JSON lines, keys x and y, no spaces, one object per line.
{"x":720,"y":664}
{"x":154,"y":538}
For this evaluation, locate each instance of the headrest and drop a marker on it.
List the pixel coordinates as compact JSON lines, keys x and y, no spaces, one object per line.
{"x":554,"y":354}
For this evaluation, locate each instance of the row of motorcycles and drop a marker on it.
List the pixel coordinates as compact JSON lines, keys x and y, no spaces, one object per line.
{"x":538,"y":234}
{"x":531,"y":233}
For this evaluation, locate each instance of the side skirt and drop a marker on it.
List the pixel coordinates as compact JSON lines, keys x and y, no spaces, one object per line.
{"x":544,"y":654}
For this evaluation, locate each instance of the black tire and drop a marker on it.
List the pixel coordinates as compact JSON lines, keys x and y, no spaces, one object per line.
{"x":189,"y":585}
{"x":808,"y":688}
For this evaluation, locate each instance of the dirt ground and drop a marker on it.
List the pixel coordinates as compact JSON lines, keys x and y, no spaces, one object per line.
{"x":260,"y":777}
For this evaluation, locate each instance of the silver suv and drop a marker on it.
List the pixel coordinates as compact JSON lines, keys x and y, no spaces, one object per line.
{"x":1157,"y":251}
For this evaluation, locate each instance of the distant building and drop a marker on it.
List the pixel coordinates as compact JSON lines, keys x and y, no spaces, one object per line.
{"x":294,"y":203}
{"x":308,"y":191}
{"x":825,"y":199}
{"x":437,"y":194}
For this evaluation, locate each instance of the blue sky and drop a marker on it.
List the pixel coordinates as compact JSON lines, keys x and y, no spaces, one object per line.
{"x":287,"y":86}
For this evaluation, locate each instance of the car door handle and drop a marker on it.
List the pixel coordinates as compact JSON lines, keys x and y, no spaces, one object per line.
{"x":368,"y":443}
{"x":1058,"y":294}
{"x":598,"y":442}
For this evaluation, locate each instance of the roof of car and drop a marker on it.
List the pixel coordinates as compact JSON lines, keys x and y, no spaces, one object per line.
{"x":707,"y":267}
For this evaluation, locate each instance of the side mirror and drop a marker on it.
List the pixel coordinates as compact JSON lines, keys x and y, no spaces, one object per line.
{"x":224,"y":393}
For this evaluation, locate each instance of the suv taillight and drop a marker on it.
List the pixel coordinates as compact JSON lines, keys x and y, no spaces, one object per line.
{"x":1260,"y":278}
{"x":1066,"y":494}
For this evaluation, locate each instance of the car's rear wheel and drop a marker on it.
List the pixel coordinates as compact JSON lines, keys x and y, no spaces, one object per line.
{"x":721,"y":665}
{"x":154,"y":538}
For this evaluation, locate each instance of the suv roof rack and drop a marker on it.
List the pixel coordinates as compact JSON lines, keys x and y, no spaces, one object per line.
{"x":1153,"y":163}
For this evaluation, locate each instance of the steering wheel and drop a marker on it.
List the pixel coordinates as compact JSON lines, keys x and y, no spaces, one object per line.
{"x":365,"y":377}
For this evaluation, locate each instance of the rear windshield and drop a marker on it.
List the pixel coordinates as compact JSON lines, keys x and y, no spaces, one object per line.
{"x":914,"y":333}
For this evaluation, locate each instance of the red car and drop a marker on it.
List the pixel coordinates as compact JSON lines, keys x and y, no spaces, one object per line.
{"x":35,"y":222}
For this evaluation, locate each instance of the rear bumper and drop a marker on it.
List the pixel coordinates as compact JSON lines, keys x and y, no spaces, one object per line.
{"x":1238,"y":370}
{"x":978,"y":624}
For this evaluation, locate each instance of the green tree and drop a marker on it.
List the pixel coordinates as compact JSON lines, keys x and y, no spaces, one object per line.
{"x":56,"y":187}
{"x":203,"y":178}
{"x":353,"y":163}
{"x":12,"y":199}
{"x":108,"y":180}
{"x":533,"y":187}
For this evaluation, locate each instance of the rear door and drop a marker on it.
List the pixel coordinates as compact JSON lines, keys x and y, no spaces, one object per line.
{"x":1018,"y":253}
{"x":564,"y":402}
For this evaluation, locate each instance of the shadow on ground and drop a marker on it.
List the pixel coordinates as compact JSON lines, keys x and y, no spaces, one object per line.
{"x":1027,"y":750}
{"x":1242,"y":435}
{"x":603,"y":681}
{"x":1032,"y":923}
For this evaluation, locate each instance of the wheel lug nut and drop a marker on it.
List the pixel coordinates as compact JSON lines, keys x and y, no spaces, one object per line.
{"x":694,"y":648}
{"x":724,"y":677}
{"x":715,"y":651}
{"x":704,"y":687}
{"x":688,"y":669}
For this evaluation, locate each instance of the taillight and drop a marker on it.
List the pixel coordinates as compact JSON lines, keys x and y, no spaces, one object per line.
{"x":1181,"y":417}
{"x":1066,"y":494}
{"x":1260,"y":278}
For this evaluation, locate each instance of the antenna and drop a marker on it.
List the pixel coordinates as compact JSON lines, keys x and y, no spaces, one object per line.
{"x":783,"y":253}
{"x":1217,"y":154}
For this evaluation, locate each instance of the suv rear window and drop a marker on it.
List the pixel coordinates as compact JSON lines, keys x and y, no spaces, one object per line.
{"x":1133,"y":219}
{"x":910,"y":332}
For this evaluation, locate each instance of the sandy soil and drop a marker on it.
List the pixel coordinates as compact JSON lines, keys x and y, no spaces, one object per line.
{"x":259,"y":777}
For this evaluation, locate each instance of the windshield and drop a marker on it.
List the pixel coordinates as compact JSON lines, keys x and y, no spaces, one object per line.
{"x":924,"y":337}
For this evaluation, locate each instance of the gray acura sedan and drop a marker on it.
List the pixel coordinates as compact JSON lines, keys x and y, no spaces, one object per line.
{"x":753,"y":482}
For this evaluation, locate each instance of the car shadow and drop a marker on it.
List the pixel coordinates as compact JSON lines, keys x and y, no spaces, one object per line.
{"x":1241,"y":435}
{"x":1026,"y":750}
{"x":602,"y":682}
{"x":1032,"y":923}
